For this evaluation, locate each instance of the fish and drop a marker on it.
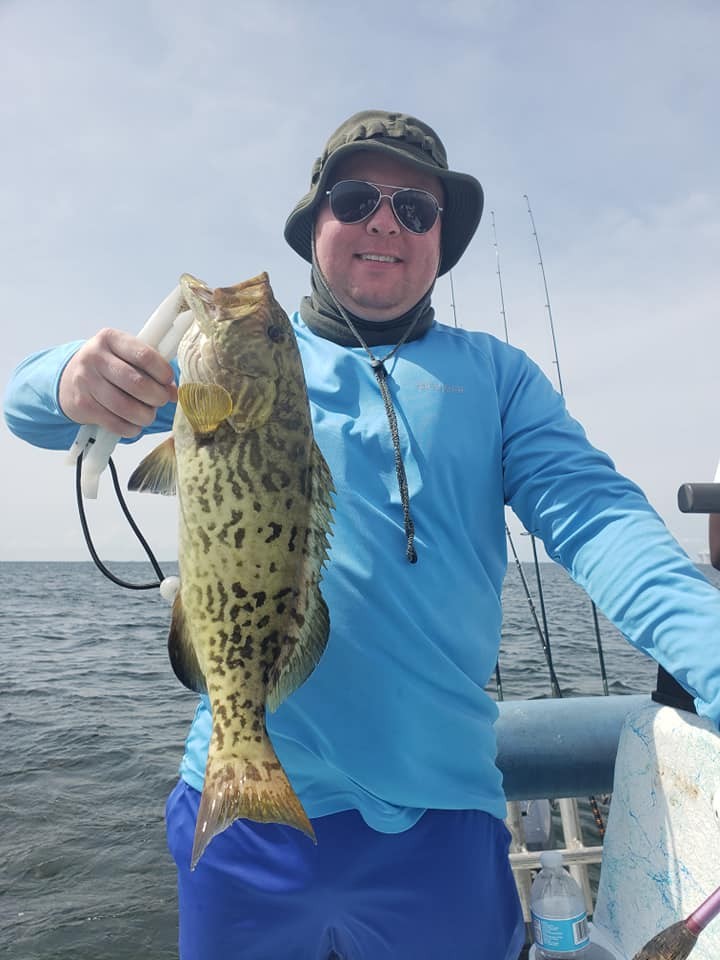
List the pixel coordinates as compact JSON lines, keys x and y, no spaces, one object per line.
{"x":255,"y":495}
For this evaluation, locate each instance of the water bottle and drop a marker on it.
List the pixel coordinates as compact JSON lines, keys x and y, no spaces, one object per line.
{"x":557,"y":907}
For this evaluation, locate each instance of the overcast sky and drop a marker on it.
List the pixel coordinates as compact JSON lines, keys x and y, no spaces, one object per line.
{"x":144,"y":139}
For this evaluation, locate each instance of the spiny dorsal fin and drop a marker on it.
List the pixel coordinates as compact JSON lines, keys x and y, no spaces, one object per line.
{"x":157,"y":472}
{"x":304,"y":652}
{"x":182,"y":652}
{"x":205,"y":405}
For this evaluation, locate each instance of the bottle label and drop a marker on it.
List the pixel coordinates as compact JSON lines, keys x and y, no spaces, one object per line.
{"x":561,"y":936}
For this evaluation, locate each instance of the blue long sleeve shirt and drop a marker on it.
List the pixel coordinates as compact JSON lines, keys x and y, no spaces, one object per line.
{"x":395,"y":718}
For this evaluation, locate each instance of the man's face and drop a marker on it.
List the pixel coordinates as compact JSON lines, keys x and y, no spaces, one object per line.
{"x":370,"y":288}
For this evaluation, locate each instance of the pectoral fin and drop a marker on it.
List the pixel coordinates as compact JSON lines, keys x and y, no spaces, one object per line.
{"x":205,"y":405}
{"x":157,"y":473}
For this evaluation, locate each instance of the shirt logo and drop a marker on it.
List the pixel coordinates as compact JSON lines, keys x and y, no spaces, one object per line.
{"x":441,"y":387}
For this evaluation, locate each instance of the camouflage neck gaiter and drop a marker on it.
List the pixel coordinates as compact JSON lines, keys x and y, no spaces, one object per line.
{"x":319,"y":311}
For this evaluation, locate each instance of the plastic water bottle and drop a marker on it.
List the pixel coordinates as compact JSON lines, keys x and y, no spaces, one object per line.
{"x":557,"y":906}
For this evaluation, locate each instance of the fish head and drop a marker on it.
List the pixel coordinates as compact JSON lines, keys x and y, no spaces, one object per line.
{"x":238,"y":332}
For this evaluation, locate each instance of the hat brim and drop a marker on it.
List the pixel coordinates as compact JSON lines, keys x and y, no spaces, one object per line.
{"x":462,"y":205}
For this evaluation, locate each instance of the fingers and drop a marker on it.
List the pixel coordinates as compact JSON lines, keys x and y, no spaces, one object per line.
{"x":117,"y":382}
{"x":138,"y":356}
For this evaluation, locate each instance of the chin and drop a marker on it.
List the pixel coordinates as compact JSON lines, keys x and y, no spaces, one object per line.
{"x":376,"y":315}
{"x":376,"y":309}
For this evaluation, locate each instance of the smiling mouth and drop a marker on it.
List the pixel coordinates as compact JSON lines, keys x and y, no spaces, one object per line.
{"x":379,"y":258}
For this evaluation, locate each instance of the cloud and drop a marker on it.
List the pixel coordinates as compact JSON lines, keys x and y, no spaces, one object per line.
{"x":145,"y":139}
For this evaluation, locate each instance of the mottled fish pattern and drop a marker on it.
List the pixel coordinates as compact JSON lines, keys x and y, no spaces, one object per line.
{"x":249,"y":622}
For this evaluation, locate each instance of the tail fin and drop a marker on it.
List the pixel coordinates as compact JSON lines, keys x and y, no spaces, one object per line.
{"x":237,"y":788}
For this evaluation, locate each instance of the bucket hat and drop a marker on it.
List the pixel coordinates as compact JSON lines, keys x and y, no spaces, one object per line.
{"x":409,"y":140}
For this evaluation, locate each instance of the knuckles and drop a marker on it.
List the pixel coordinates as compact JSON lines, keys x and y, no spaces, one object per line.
{"x":97,"y":367}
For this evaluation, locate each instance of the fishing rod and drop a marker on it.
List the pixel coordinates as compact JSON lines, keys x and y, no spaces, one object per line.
{"x":557,"y":692}
{"x":452,"y":299}
{"x":596,"y":623}
{"x":597,"y":816}
{"x":499,"y":276}
{"x":547,"y":295}
{"x":542,"y":631}
{"x":541,"y":595}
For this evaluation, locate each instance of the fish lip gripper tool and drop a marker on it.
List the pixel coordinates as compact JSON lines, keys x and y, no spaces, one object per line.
{"x":164,"y":330}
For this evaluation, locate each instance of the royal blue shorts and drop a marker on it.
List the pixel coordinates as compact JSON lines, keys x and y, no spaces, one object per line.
{"x":442,"y":890}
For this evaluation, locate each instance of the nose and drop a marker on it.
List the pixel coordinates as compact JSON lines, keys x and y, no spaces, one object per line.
{"x":383,"y":220}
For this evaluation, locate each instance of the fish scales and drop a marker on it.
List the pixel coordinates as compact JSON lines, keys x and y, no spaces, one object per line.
{"x":255,"y":497}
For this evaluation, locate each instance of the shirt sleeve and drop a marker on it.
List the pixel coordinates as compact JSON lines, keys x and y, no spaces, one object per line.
{"x":600,"y":526}
{"x":31,"y":406}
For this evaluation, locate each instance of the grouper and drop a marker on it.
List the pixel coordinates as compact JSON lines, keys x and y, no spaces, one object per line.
{"x":249,"y":623}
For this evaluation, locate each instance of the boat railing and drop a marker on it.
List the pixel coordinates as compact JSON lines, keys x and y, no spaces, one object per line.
{"x":562,"y":749}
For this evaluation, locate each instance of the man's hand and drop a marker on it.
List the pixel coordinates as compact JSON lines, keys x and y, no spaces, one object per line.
{"x":117,"y":382}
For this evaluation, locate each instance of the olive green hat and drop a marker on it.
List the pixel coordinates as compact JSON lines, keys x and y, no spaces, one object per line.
{"x":407,"y":139}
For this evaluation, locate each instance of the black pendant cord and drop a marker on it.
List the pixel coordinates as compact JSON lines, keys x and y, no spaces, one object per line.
{"x":88,"y":540}
{"x":381,"y":376}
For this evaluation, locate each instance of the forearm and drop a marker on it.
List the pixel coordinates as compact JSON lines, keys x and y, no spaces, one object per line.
{"x":31,"y":407}
{"x":601,"y":528}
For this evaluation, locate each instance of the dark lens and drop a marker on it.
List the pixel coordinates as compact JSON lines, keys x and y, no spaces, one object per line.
{"x":415,"y":209}
{"x":353,"y":200}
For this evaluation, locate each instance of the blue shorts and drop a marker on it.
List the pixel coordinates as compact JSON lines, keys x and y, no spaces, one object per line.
{"x":442,"y":889}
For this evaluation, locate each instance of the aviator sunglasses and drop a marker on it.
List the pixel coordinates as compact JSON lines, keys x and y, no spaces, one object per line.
{"x":353,"y":201}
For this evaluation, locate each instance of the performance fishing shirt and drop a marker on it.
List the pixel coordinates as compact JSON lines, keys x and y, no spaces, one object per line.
{"x":396,"y":718}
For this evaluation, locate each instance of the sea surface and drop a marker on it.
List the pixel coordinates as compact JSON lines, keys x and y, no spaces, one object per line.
{"x":93,"y":726}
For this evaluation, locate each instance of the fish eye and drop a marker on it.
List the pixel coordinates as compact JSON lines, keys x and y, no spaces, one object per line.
{"x":276,"y":334}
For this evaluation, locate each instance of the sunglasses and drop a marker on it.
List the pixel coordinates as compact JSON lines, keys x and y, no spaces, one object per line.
{"x":353,"y":201}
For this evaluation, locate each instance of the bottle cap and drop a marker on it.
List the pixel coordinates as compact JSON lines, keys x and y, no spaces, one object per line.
{"x":551,"y":858}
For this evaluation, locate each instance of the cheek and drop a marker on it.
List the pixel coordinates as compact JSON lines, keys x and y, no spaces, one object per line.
{"x":326,"y":237}
{"x":430,"y":258}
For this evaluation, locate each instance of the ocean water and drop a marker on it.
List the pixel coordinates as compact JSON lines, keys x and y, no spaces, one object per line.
{"x":93,"y":725}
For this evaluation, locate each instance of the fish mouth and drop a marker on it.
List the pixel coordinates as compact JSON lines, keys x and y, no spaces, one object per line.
{"x":224,"y":317}
{"x":219,"y":306}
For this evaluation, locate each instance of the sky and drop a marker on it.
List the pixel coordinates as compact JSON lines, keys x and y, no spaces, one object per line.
{"x":141,"y":140}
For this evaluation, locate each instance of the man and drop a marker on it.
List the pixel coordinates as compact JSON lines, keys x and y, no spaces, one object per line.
{"x":428,"y":431}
